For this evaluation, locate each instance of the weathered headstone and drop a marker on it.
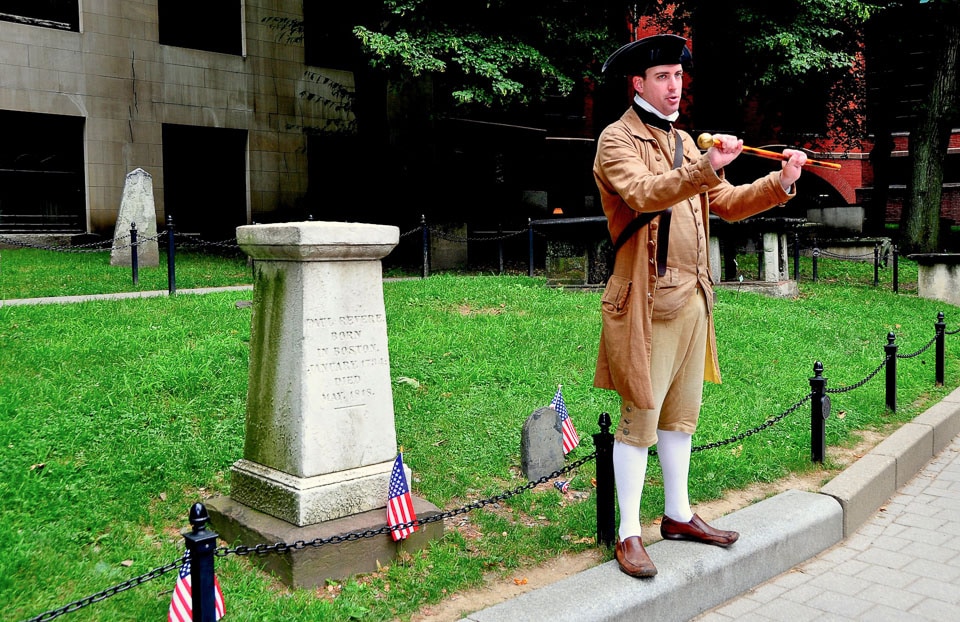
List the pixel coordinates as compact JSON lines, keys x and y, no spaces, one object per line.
{"x":938,"y":276}
{"x":541,"y":444}
{"x":136,"y":206}
{"x":320,"y":439}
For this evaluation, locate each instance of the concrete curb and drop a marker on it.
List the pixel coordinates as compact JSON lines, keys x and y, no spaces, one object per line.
{"x":784,"y":531}
{"x":781,"y":532}
{"x":866,"y":485}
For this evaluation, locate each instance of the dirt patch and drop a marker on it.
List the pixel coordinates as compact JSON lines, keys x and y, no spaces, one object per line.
{"x":498,"y":589}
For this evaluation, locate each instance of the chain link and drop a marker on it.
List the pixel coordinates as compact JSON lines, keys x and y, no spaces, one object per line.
{"x":284,"y":547}
{"x":91,"y":247}
{"x":763,"y":426}
{"x":195,"y":242}
{"x":493,"y":238}
{"x":862,"y":382}
{"x":107,"y":593}
{"x":822,"y":253}
{"x":918,"y":352}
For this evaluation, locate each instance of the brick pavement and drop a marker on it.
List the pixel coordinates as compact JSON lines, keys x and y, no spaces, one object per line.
{"x":903,"y":564}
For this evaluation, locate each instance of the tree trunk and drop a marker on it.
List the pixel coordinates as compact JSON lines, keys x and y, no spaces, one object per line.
{"x":929,"y":140}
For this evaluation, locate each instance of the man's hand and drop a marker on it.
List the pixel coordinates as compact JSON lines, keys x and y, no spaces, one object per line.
{"x":725,"y":150}
{"x":791,"y":168}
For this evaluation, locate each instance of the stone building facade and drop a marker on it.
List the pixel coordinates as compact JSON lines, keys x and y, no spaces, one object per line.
{"x":206,"y":96}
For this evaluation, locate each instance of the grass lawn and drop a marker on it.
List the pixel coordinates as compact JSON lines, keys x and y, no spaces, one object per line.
{"x":117,"y":415}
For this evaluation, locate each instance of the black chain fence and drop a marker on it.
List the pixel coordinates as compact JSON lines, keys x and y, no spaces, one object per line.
{"x":818,"y":397}
{"x":506,"y":242}
{"x":603,"y":454}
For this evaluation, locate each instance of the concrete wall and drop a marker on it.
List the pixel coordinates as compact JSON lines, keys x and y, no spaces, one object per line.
{"x":117,"y":76}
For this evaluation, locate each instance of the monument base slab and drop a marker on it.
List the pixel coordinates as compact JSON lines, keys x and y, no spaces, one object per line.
{"x":311,"y":567}
{"x":309,"y":500}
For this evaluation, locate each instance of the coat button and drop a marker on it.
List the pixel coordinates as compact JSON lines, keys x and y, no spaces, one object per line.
{"x":626,"y":432}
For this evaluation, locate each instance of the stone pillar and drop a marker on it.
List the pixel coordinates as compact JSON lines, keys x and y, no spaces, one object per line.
{"x":771,"y":258}
{"x":715,"y":259}
{"x":136,"y":206}
{"x":320,"y":438}
{"x":784,"y":263}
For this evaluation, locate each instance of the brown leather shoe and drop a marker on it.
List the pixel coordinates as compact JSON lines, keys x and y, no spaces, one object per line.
{"x":697,"y":530}
{"x":633,"y":558}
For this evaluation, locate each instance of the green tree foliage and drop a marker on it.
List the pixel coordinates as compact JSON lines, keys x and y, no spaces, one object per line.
{"x":491,"y":55}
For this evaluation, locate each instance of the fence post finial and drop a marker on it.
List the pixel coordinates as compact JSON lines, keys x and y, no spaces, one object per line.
{"x":201,"y":545}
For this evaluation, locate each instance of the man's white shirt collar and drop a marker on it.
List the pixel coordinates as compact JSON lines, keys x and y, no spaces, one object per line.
{"x":649,"y":108}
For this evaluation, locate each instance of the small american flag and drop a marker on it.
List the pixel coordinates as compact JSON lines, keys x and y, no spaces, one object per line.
{"x":400,"y":503}
{"x":181,"y":605}
{"x":570,"y":437}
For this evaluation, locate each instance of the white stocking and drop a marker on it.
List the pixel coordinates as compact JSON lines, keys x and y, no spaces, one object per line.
{"x":673,"y":448}
{"x":629,"y":472}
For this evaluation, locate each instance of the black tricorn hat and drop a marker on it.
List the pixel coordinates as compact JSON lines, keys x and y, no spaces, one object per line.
{"x":637,"y":56}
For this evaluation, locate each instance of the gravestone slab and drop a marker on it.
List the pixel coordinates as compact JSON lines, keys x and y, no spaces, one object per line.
{"x":136,"y":206}
{"x":541,"y":444}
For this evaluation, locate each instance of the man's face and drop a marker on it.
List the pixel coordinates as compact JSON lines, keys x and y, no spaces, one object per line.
{"x":661,"y":87}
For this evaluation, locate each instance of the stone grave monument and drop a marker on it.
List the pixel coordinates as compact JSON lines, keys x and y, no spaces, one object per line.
{"x":320,"y":440}
{"x":136,"y":206}
{"x":541,"y":444}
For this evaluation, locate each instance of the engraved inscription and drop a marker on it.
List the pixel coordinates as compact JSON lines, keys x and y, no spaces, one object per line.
{"x":348,"y":352}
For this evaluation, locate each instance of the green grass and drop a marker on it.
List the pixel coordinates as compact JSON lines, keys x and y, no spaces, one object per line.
{"x":115,"y":416}
{"x":37,"y":273}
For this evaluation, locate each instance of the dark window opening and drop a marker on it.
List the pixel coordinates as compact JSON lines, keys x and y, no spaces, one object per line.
{"x":60,"y":14}
{"x":41,"y":173}
{"x":333,"y":176}
{"x":204,"y":180}
{"x":328,"y":38}
{"x":211,"y":25}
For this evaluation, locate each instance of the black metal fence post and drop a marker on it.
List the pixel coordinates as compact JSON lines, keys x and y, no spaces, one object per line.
{"x":171,"y":259}
{"x":530,"y":237}
{"x":891,"y":353}
{"x":941,"y":327}
{"x":606,"y":521}
{"x":500,"y":245}
{"x":201,"y":545}
{"x":796,"y":257}
{"x":134,"y":254}
{"x":876,"y":264}
{"x":896,"y":269}
{"x":426,"y":246}
{"x":819,"y":411}
{"x":816,"y":256}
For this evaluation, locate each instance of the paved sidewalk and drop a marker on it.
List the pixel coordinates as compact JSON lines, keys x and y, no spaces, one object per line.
{"x":154,"y":293}
{"x":879,"y":541}
{"x":903,"y":564}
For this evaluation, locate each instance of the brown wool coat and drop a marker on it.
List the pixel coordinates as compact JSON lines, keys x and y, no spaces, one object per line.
{"x":634,"y":173}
